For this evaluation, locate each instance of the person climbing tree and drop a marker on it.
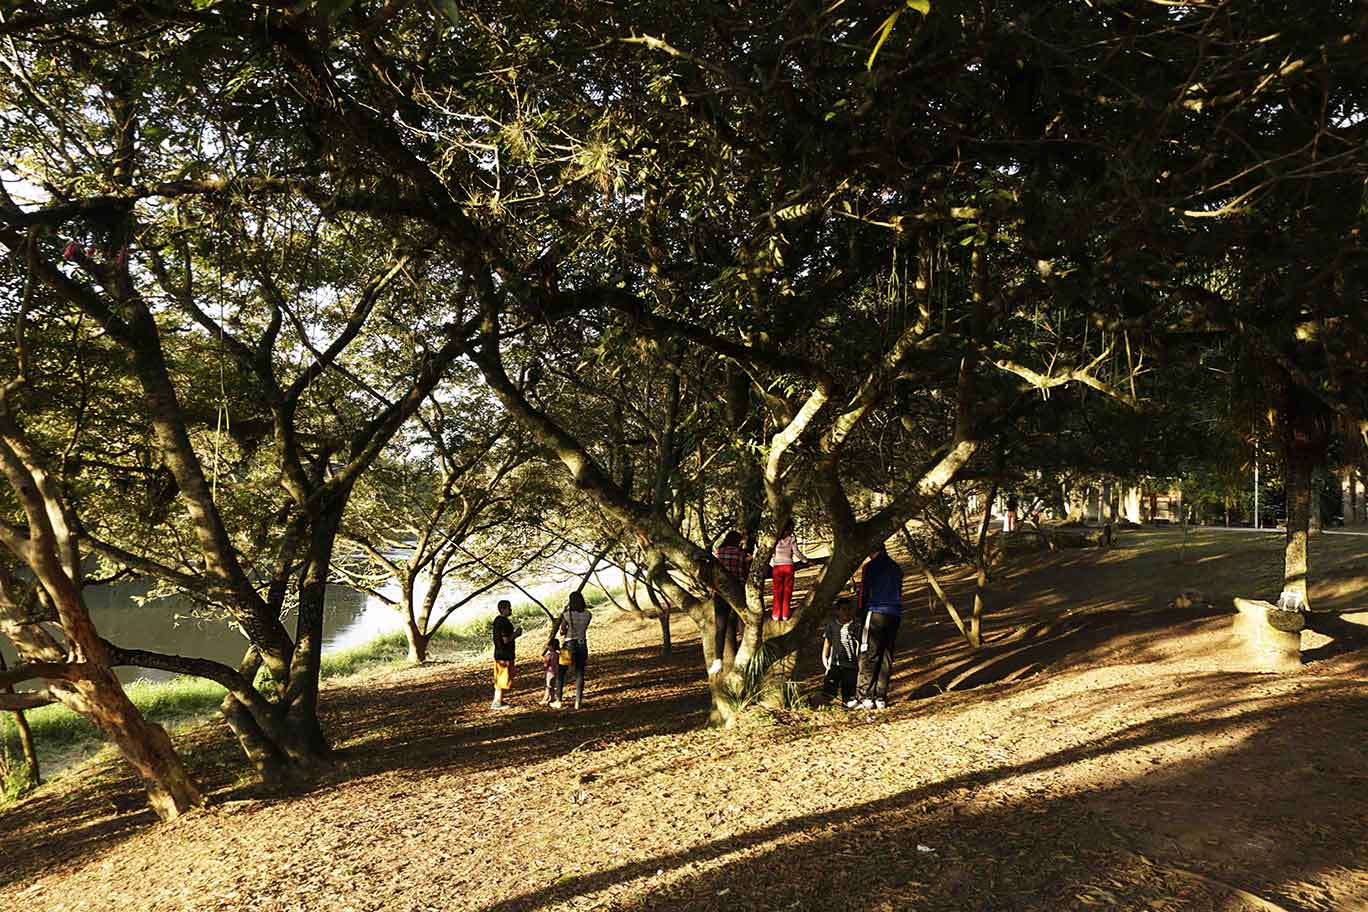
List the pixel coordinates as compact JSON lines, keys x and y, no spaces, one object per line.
{"x":726,"y":623}
{"x":881,"y":603}
{"x":786,"y":555}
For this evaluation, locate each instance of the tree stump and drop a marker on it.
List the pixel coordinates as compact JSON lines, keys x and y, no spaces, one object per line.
{"x":1267,"y":638}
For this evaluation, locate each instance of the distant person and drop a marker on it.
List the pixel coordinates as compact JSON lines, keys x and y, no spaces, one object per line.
{"x":1009,"y":524}
{"x":551,"y":665}
{"x":840,"y":650}
{"x":505,"y":636}
{"x":786,"y":555}
{"x":574,"y":627}
{"x":726,"y":623}
{"x":881,"y":604}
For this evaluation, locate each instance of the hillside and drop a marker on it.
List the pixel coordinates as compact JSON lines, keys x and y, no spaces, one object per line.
{"x":1125,"y":768}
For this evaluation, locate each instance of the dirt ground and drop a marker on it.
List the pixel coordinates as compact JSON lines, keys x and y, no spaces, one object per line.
{"x":1128,"y":768}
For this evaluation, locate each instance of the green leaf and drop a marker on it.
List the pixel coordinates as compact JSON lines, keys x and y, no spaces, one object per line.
{"x":886,"y":28}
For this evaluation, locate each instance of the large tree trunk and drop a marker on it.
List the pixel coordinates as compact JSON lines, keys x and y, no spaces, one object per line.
{"x":100,"y":699}
{"x":416,"y":621}
{"x":418,"y":643}
{"x":1299,"y":465}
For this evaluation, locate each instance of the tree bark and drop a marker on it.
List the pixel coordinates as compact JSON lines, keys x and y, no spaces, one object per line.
{"x":25,"y":738}
{"x":666,"y":646}
{"x":1299,"y":463}
{"x":100,"y":699}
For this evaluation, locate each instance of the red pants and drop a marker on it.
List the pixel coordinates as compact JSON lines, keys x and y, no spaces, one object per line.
{"x":783,"y":592}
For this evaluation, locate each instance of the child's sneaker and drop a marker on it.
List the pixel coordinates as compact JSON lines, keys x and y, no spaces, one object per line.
{"x":498,"y":706}
{"x":866,"y":704}
{"x":852,"y":703}
{"x":715,"y":667}
{"x":555,"y":704}
{"x":880,"y":704}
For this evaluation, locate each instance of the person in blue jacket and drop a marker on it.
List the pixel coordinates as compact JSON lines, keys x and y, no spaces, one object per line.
{"x":881,"y":605}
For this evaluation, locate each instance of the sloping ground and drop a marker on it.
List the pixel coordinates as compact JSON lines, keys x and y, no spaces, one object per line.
{"x":1135,"y":775}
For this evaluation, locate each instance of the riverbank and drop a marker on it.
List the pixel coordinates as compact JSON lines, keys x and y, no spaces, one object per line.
{"x":64,"y":740}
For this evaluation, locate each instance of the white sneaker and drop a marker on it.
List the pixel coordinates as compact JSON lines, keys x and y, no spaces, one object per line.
{"x":866,"y":704}
{"x":715,"y":667}
{"x":880,"y":704}
{"x":498,"y":706}
{"x":852,"y":703}
{"x":555,"y":704}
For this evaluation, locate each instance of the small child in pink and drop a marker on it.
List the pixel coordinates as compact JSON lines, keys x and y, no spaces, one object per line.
{"x":551,"y":662}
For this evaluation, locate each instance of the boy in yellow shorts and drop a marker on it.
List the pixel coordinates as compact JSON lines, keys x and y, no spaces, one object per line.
{"x":505,"y":638}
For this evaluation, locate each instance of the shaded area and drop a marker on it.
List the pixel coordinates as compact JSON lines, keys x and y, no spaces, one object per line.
{"x":1130,"y":771}
{"x":999,"y":841}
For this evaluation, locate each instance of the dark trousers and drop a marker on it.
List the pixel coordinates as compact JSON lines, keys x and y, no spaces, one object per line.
{"x":559,"y":687}
{"x":876,"y":661}
{"x":840,"y":678}
{"x":726,"y":625}
{"x":580,"y":653}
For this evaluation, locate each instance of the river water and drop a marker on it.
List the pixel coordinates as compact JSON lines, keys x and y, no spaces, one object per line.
{"x":166,"y":625}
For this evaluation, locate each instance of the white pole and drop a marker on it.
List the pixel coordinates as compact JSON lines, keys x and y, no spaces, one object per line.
{"x":1256,"y":492}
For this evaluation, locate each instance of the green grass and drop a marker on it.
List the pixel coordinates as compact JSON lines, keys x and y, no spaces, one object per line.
{"x":57,"y":730}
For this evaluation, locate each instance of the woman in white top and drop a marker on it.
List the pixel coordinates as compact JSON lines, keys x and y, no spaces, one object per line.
{"x":786,"y":554}
{"x":574,"y":627}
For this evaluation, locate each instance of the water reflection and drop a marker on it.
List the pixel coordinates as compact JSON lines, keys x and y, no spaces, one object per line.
{"x":165,"y":625}
{"x":350,"y":618}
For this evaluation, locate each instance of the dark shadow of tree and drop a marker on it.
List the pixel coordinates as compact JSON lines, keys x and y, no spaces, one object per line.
{"x":1038,"y":853}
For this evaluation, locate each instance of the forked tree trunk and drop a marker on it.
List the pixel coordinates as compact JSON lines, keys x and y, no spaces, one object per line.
{"x":418,"y":643}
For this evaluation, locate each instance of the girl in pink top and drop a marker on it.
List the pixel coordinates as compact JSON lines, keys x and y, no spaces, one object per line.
{"x":786,"y":554}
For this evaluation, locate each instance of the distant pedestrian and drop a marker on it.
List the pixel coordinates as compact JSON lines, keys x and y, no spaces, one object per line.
{"x":574,"y":627}
{"x":786,"y":555}
{"x":840,"y":647}
{"x":1010,"y":523}
{"x":726,"y":624}
{"x":881,"y":604}
{"x":505,"y":636}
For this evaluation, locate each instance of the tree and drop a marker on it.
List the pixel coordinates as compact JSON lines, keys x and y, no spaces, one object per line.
{"x":459,"y":499}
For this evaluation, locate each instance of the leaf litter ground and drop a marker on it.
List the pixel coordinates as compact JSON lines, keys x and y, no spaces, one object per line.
{"x":1135,"y":771}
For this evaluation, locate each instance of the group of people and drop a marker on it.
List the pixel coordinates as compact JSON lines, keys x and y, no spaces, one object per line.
{"x":859,"y":641}
{"x":857,"y":644}
{"x":567,"y":650}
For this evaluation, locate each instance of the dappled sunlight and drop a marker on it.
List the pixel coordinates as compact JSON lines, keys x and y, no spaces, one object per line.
{"x":1126,"y":769}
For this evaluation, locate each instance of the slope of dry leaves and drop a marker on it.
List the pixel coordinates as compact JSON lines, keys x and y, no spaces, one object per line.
{"x":1134,"y":772}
